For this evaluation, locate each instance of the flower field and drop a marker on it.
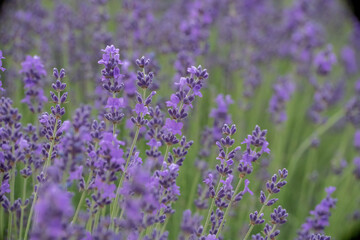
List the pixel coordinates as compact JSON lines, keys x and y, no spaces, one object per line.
{"x":189,"y":120}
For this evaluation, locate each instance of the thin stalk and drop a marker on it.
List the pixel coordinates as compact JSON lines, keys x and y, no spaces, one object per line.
{"x":22,"y":208}
{"x":30,"y":216}
{"x":90,"y":220}
{"x":10,"y":224}
{"x":12,"y":188}
{"x":165,"y":156}
{"x":1,"y":220}
{"x":272,"y":230}
{"x":97,"y":218}
{"x":115,"y":209}
{"x":12,"y":184}
{"x":82,"y":198}
{"x":103,"y":211}
{"x":228,"y":207}
{"x":260,"y":212}
{"x":48,"y":161}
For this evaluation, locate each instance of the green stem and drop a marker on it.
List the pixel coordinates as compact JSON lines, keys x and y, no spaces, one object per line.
{"x":97,"y":217}
{"x":228,"y":207}
{"x":90,"y":220}
{"x":10,"y":224}
{"x":12,"y":196}
{"x":165,"y":156}
{"x":82,"y":198}
{"x":48,"y":161}
{"x":22,"y":209}
{"x":30,"y":216}
{"x":1,"y":220}
{"x":115,"y":209}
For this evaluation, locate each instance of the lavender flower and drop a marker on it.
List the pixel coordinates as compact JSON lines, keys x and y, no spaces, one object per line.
{"x":34,"y":72}
{"x":257,"y":140}
{"x":283,"y":90}
{"x":52,"y":213}
{"x":325,"y":60}
{"x":320,"y":216}
{"x":349,"y":60}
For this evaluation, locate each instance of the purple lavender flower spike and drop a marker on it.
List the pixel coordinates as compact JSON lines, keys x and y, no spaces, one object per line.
{"x":320,"y":217}
{"x":256,"y":219}
{"x":257,"y":140}
{"x":279,"y":216}
{"x":52,"y":213}
{"x":349,"y":60}
{"x":34,"y":72}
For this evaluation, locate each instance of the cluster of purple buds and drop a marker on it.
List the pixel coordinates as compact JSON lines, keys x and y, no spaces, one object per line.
{"x":144,"y":81}
{"x":181,"y":101}
{"x":111,"y":76}
{"x":34,"y":72}
{"x":325,"y":60}
{"x":258,"y":142}
{"x":154,"y":134}
{"x":226,"y":157}
{"x":319,"y":237}
{"x":112,"y":83}
{"x":278,"y":217}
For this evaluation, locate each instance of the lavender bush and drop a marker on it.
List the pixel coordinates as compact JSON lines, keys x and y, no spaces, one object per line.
{"x":189,"y":120}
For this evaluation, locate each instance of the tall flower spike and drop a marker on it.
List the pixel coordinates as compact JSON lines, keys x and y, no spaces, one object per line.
{"x":34,"y":78}
{"x":320,"y":217}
